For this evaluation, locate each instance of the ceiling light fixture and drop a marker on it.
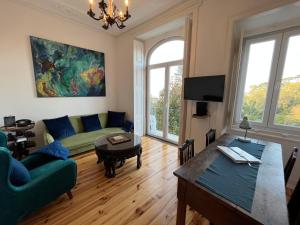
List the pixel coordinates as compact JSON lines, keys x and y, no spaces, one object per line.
{"x":110,"y":14}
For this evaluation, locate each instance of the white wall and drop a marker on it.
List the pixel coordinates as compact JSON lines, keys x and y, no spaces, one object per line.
{"x":213,"y":49}
{"x":17,"y":86}
{"x":125,"y":52}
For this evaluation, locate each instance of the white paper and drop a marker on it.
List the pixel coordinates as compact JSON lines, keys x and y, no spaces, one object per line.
{"x":238,"y":155}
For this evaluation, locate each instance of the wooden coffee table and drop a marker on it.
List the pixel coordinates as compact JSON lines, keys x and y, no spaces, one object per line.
{"x":118,"y":153}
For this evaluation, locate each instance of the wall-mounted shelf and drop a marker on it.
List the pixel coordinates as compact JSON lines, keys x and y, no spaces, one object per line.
{"x":200,"y":117}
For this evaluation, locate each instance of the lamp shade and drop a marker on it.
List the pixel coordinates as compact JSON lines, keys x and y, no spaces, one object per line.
{"x":245,"y":124}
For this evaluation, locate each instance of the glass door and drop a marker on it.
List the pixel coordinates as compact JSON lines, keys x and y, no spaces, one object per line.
{"x":164,"y":84}
{"x":156,"y":102}
{"x":174,"y":103}
{"x":164,"y":102}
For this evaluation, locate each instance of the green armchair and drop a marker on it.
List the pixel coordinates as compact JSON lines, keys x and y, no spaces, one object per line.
{"x":50,"y":179}
{"x":3,"y":139}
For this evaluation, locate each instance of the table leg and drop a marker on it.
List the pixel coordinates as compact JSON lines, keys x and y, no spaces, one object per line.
{"x":113,"y":170}
{"x":181,"y":212}
{"x":109,"y":168}
{"x":122,"y":162}
{"x":139,"y":161}
{"x":99,"y":157}
{"x":181,"y":205}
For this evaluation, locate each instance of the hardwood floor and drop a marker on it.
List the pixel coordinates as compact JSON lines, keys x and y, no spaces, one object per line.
{"x":133,"y":197}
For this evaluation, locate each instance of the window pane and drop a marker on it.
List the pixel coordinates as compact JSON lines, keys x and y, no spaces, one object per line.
{"x":288,"y":106}
{"x":257,"y":78}
{"x":157,"y":96}
{"x":167,"y":52}
{"x":175,"y":84}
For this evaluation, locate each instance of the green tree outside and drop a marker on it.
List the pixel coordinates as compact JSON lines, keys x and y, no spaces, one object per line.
{"x":288,"y":107}
{"x":157,"y":105}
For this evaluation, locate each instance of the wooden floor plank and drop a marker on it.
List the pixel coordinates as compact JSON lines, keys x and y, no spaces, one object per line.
{"x":133,"y":197}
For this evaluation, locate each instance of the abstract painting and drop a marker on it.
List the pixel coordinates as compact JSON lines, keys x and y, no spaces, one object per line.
{"x":62,"y":70}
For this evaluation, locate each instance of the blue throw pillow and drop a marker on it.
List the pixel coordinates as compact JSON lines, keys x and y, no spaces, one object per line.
{"x":19,"y":174}
{"x":91,"y":123}
{"x":60,"y":127}
{"x":115,"y":119}
{"x":55,"y":149}
{"x":128,"y":126}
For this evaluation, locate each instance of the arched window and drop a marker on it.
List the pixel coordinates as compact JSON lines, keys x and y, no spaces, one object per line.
{"x":167,"y":52}
{"x":164,"y":83}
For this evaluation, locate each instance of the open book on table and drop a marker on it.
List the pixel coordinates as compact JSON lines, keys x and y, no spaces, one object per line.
{"x":118,"y":139}
{"x":238,"y":155}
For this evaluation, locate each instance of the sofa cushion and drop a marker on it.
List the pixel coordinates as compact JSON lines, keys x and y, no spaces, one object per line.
{"x":19,"y":174}
{"x":55,"y":149}
{"x":128,"y":126}
{"x":89,"y":138}
{"x":115,"y":119}
{"x":59,"y":127}
{"x":77,"y":124}
{"x":91,"y":123}
{"x":103,"y":119}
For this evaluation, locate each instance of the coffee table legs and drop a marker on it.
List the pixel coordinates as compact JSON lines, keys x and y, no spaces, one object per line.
{"x":99,"y":157}
{"x":139,"y":161}
{"x":121,"y":163}
{"x":110,"y":170}
{"x":110,"y":163}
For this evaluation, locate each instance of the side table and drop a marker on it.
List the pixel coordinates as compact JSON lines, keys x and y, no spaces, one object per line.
{"x":19,"y":139}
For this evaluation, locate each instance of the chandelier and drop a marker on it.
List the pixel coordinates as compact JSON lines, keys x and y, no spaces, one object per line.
{"x":110,"y":14}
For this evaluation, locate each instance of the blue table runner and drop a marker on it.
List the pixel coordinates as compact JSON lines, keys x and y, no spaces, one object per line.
{"x":234,"y":182}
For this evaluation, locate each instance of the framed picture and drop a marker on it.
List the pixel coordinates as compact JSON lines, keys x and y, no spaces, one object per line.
{"x":62,"y":70}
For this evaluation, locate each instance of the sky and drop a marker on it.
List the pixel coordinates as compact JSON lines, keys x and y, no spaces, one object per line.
{"x":167,"y":52}
{"x":260,"y":58}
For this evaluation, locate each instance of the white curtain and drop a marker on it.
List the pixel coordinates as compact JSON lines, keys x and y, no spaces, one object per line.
{"x":186,"y":73}
{"x":139,"y":90}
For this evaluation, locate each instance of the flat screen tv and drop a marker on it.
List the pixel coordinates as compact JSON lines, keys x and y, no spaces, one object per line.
{"x":204,"y":88}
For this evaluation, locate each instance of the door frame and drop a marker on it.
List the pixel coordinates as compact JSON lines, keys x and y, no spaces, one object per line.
{"x":147,"y":95}
{"x":166,"y":66}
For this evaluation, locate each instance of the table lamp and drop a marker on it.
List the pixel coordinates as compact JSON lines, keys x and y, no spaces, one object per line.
{"x":245,"y":125}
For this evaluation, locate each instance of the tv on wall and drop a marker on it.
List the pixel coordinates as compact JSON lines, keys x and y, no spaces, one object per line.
{"x":204,"y":88}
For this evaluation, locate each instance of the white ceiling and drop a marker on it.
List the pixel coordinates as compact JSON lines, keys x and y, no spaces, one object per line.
{"x":173,"y":25}
{"x":272,"y":17}
{"x":140,"y":10}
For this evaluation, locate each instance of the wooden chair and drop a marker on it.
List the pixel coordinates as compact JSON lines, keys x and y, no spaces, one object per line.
{"x":294,"y":206}
{"x":186,"y":151}
{"x":210,"y":136}
{"x":290,"y":164}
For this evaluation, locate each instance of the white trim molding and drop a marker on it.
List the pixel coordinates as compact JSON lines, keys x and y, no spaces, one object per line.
{"x":281,"y":39}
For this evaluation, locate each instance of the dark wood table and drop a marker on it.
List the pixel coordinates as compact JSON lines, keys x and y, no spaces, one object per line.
{"x":118,"y":153}
{"x":269,"y":203}
{"x":19,"y":139}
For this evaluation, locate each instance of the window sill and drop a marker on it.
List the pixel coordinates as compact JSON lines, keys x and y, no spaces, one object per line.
{"x":267,"y":133}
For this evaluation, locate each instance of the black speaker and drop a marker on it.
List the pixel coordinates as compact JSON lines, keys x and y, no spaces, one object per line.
{"x":201,"y":109}
{"x":9,"y":121}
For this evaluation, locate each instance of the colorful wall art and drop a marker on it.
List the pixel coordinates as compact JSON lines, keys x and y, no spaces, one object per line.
{"x":62,"y":70}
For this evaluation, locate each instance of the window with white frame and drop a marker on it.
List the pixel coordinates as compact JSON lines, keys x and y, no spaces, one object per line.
{"x":164,"y":83}
{"x":269,"y":81}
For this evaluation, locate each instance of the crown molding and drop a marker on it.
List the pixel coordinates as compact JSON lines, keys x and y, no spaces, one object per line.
{"x":57,"y":7}
{"x":72,"y":14}
{"x":177,"y":11}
